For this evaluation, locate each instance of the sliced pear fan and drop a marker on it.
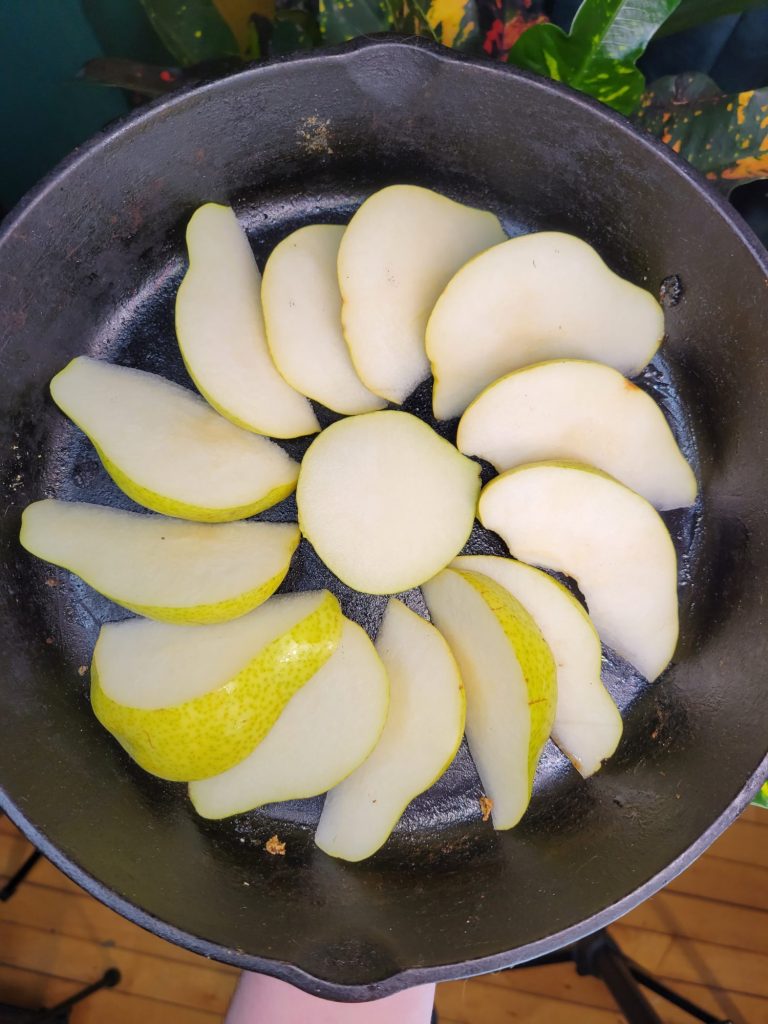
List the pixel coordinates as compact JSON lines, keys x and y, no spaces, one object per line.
{"x":398,"y":253}
{"x":324,"y":732}
{"x":187,"y":702}
{"x":422,"y":733}
{"x":163,"y":568}
{"x":385,"y":501}
{"x":220,"y":329}
{"x":541,"y":296}
{"x":584,"y":412}
{"x":580,"y":521}
{"x":587,"y":725}
{"x":168,"y":450}
{"x":302,"y":315}
{"x":510,"y":681}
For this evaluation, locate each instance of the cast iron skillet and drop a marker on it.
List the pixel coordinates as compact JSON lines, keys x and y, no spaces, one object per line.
{"x":90,"y":262}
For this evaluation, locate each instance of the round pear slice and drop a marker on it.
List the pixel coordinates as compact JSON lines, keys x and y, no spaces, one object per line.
{"x":583,"y":412}
{"x":397,"y":255}
{"x":510,"y":680}
{"x":324,"y":732}
{"x":423,"y":731}
{"x":385,"y":501}
{"x":187,"y":702}
{"x":587,"y":725}
{"x":163,"y":568}
{"x":220,"y":329}
{"x":302,"y":314}
{"x":167,"y":449}
{"x":577,"y":520}
{"x":546,"y":295}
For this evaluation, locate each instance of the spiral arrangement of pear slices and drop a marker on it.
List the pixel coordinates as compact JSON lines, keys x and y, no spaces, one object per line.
{"x":252,"y":698}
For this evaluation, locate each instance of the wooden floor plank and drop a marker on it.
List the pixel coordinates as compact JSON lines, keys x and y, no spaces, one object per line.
{"x":696,"y":917}
{"x":143,"y":974}
{"x":724,"y":882}
{"x":85,"y":918}
{"x":33,"y":989}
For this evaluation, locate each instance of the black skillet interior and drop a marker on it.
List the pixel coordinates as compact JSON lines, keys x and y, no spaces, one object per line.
{"x":91,"y":264}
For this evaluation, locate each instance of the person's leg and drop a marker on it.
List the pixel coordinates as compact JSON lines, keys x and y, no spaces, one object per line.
{"x":262,"y":1000}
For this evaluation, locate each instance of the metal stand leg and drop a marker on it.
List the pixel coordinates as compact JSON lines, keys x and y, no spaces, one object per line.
{"x":109,"y":979}
{"x":601,"y":957}
{"x":15,"y":881}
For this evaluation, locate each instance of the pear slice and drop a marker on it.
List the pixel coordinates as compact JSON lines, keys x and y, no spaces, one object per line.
{"x":323,"y":734}
{"x":423,"y":731}
{"x":163,"y":568}
{"x":400,"y":250}
{"x":583,"y":412}
{"x":580,"y":521}
{"x":187,"y":702}
{"x":302,"y":314}
{"x":168,"y":450}
{"x":510,"y":680}
{"x":220,"y":329}
{"x":542,"y":296}
{"x":385,"y":501}
{"x":587,"y":725}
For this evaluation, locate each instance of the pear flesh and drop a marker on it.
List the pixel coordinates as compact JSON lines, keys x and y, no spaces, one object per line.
{"x":546,"y":295}
{"x":302,"y":314}
{"x":187,"y":702}
{"x":510,"y":681}
{"x":423,"y":731}
{"x":220,"y":329}
{"x":587,"y":725}
{"x":577,"y":520}
{"x":397,"y":255}
{"x":163,"y":568}
{"x":583,"y":412}
{"x":324,"y":732}
{"x":385,"y":501}
{"x":167,"y":449}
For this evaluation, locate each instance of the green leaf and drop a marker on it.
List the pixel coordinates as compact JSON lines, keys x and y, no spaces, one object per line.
{"x":193,"y":31}
{"x":691,"y":13}
{"x":341,"y":20}
{"x":723,"y":136}
{"x":762,"y":797}
{"x":122,"y":73}
{"x":598,"y":55}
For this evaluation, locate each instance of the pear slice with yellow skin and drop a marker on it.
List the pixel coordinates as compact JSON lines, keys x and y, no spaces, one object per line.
{"x":221,"y":335}
{"x":398,"y":253}
{"x":423,"y":731}
{"x":510,"y":681}
{"x":547,"y":295}
{"x":583,"y":412}
{"x":188,"y":702}
{"x":302,"y":314}
{"x":324,"y":732}
{"x":163,"y":568}
{"x":587,"y":725}
{"x":167,"y":449}
{"x":578,"y":520}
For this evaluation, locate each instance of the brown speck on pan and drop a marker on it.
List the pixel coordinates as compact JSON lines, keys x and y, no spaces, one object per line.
{"x":275,"y":847}
{"x":51,"y":582}
{"x":49,"y":640}
{"x":82,"y":670}
{"x":486,"y":806}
